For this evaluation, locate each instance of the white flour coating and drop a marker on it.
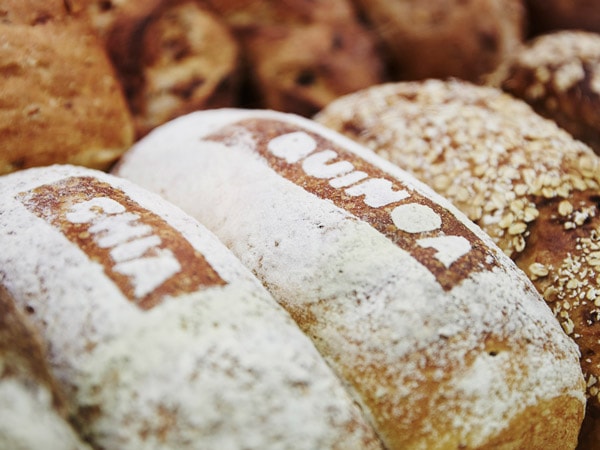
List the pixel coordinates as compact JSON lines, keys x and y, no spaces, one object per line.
{"x":376,"y":304}
{"x":28,"y":420}
{"x":223,"y":367}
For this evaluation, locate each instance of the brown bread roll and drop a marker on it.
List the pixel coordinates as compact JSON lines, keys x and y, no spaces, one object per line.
{"x":558,"y":74}
{"x":531,"y":186}
{"x":443,"y":341}
{"x":157,"y":333}
{"x":299,"y":55}
{"x":550,"y":15}
{"x":60,"y":99}
{"x":172,"y":56}
{"x":441,"y":38}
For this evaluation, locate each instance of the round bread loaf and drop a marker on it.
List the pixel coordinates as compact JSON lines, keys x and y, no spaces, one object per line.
{"x":158,"y":334}
{"x":444,"y":342}
{"x":558,"y":74}
{"x":173,"y":57}
{"x":441,"y":38}
{"x":60,"y":98}
{"x":32,"y":410}
{"x":550,"y":15}
{"x":531,"y":186}
{"x":300,"y":55}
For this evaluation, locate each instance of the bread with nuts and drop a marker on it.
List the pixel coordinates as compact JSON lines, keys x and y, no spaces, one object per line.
{"x":531,"y":186}
{"x":442,"y":340}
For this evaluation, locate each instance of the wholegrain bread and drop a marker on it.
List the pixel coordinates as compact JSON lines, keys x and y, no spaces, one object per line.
{"x":158,"y":335}
{"x":443,"y":341}
{"x":558,"y":74}
{"x":531,"y":186}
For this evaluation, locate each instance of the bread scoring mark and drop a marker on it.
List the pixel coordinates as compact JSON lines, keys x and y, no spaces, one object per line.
{"x":430,"y":233}
{"x":144,"y":256}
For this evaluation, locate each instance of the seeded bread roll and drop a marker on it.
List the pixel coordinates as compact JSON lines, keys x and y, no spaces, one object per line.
{"x":441,"y":38}
{"x":550,"y":15}
{"x":158,"y":335}
{"x":60,"y":98}
{"x":558,"y":74}
{"x":531,"y":186}
{"x":32,"y":410}
{"x":443,"y":341}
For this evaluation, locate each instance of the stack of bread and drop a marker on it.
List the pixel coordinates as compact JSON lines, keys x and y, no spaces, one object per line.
{"x":299,"y":224}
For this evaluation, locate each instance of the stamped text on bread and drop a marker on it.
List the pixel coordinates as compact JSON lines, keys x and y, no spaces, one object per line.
{"x":145,"y":257}
{"x":412,"y":221}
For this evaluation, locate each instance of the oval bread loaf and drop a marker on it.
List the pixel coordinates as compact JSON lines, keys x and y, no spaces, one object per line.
{"x":443,"y":341}
{"x":158,"y":334}
{"x":531,"y":186}
{"x":32,"y":409}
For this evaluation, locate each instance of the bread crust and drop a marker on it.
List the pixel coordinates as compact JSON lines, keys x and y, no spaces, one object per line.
{"x":421,"y":316}
{"x":158,"y":335}
{"x":558,"y":75}
{"x":531,"y":186}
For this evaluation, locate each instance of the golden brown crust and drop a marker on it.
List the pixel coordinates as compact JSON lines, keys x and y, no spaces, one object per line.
{"x":558,"y":74}
{"x":439,"y":39}
{"x":173,"y":57}
{"x":61,"y":101}
{"x":32,"y":12}
{"x":302,"y":68}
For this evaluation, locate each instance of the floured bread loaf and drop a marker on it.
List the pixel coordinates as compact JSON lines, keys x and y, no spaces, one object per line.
{"x":532,"y":187}
{"x":159,"y":336}
{"x":60,"y":98}
{"x":558,"y":74}
{"x":443,"y":341}
{"x":441,"y":38}
{"x":32,"y":410}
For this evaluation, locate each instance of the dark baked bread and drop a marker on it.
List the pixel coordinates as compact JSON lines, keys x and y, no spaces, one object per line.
{"x":558,"y":74}
{"x":32,"y":409}
{"x":531,"y":186}
{"x":441,"y":38}
{"x":551,"y":15}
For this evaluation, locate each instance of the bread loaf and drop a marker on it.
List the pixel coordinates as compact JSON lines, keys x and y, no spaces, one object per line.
{"x":159,"y":336}
{"x":558,"y":74}
{"x":443,"y":341}
{"x":32,"y":410}
{"x":441,"y":38}
{"x":527,"y":183}
{"x":60,"y":97}
{"x":300,"y":55}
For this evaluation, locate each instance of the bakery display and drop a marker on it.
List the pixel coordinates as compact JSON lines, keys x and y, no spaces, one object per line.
{"x":441,"y":38}
{"x":52,"y":115}
{"x":156,"y":332}
{"x":442,"y":340}
{"x":531,"y":186}
{"x":558,"y":74}
{"x":32,"y":409}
